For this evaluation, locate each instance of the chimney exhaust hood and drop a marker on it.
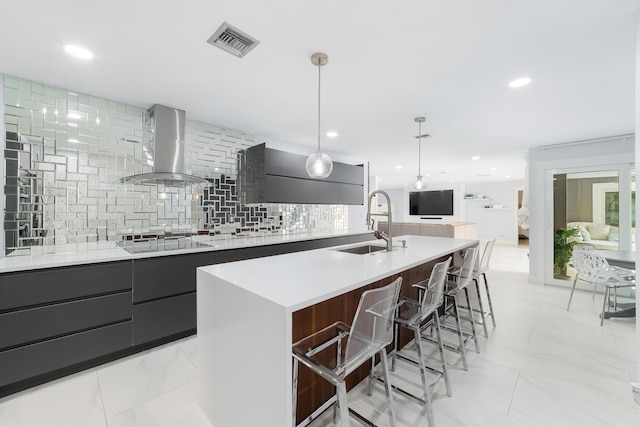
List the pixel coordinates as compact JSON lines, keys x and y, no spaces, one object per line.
{"x":166,"y":151}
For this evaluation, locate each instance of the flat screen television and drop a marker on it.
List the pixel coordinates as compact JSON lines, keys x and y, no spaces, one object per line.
{"x":431,"y":202}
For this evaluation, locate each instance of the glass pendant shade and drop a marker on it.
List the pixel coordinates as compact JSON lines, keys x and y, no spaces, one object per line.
{"x":419,"y":184}
{"x":319,"y":165}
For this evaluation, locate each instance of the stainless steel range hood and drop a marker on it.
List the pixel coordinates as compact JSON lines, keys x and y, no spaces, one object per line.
{"x":166,"y":151}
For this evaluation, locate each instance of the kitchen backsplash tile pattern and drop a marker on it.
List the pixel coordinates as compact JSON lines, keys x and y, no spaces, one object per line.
{"x":65,"y":152}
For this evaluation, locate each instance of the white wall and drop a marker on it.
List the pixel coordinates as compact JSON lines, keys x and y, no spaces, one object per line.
{"x":499,"y":224}
{"x":544,"y":161}
{"x":397,"y":204}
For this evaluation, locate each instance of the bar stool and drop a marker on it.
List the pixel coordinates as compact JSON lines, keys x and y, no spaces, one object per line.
{"x":482,"y":272}
{"x":417,"y":316}
{"x":460,"y":282}
{"x":326,"y":353}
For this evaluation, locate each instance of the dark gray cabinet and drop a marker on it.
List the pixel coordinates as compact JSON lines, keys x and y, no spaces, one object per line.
{"x":348,"y":174}
{"x":163,"y":318}
{"x":284,"y":189}
{"x":30,"y":288}
{"x":35,"y":324}
{"x":56,"y":318}
{"x":61,"y":320}
{"x":164,"y":276}
{"x":324,"y":192}
{"x":274,"y":176}
{"x":283,"y":163}
{"x":42,"y":358}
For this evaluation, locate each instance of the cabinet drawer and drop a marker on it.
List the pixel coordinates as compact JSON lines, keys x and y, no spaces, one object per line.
{"x":322,"y":192}
{"x":350,"y":194}
{"x":285,"y":164}
{"x":161,"y":277}
{"x":23,"y":289}
{"x":279,"y":189}
{"x":34,"y":324}
{"x":32,"y":360}
{"x":350,"y":174}
{"x":163,"y":318}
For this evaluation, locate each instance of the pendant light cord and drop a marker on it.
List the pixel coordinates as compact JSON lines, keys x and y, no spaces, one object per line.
{"x":319,"y":67}
{"x":419,"y":147}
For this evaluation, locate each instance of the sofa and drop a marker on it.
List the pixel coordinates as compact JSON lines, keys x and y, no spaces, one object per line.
{"x":601,"y":236}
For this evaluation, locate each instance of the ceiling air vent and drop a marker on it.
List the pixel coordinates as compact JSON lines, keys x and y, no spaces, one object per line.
{"x":234,"y":41}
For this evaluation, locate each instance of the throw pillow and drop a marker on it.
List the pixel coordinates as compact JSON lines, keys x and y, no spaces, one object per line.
{"x":613,"y":237}
{"x":598,"y":232}
{"x":584,"y":233}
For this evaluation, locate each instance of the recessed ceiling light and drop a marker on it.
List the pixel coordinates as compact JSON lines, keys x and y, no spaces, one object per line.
{"x":475,"y":158}
{"x":494,"y":169}
{"x":399,"y":167}
{"x":507,"y":176}
{"x":522,"y":81}
{"x":332,"y":134}
{"x":78,"y":52}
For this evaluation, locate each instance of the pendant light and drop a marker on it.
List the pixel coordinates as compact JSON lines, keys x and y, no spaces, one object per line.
{"x":319,"y":164}
{"x":420,"y":184}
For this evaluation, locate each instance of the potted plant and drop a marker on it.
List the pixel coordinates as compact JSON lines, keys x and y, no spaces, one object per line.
{"x":563,"y":249}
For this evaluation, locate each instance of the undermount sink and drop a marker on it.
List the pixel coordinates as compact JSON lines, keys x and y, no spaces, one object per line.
{"x":363,"y":250}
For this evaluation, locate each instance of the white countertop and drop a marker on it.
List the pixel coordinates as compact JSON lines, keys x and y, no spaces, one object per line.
{"x":90,"y":253}
{"x":301,"y":279}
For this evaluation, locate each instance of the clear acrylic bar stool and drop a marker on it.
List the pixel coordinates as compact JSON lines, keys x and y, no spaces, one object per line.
{"x":337,"y":350}
{"x":460,"y":282}
{"x":482,"y":273}
{"x":417,"y":316}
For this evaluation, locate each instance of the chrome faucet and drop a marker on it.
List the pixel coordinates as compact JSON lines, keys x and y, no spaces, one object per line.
{"x":381,"y":235}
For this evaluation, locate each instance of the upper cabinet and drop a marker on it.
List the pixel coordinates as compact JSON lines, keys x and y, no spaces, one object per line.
{"x":266,"y":175}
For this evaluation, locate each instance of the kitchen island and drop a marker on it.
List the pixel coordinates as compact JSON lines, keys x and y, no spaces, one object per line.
{"x":250,"y":312}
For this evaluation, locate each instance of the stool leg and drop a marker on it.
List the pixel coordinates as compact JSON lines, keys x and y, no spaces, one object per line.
{"x":387,"y":386}
{"x":371,"y":376}
{"x":295,"y":390}
{"x":423,"y":370}
{"x":473,"y":322}
{"x":484,"y":321}
{"x":341,"y":391}
{"x":463,"y":351}
{"x":395,"y":348}
{"x":441,"y":350}
{"x":486,"y":286}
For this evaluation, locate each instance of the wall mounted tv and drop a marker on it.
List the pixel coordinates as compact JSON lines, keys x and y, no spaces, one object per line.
{"x":431,"y":202}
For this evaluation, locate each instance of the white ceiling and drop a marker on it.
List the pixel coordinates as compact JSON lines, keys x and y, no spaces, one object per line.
{"x":389,"y":62}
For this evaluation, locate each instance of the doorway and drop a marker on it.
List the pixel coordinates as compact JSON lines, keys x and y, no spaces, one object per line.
{"x":592,"y":206}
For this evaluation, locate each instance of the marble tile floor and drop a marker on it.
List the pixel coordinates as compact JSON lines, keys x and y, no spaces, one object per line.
{"x":541,"y":366}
